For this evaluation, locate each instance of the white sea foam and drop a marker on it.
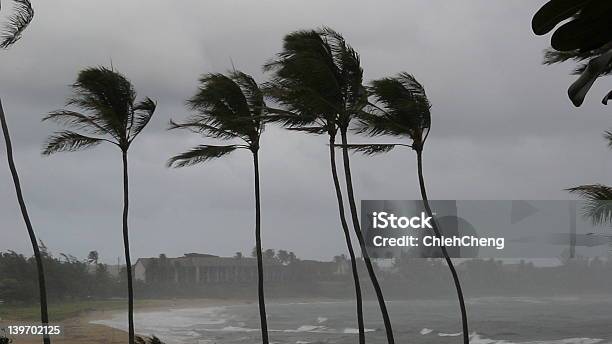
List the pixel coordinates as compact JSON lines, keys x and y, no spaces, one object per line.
{"x":321,"y":320}
{"x":426,"y":331}
{"x":477,"y":339}
{"x":234,"y":329}
{"x":306,"y":328}
{"x":449,"y":334}
{"x":354,"y":330}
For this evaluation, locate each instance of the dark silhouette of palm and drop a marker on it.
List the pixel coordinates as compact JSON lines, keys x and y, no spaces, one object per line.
{"x":583,"y":35}
{"x":317,"y":79}
{"x":110,"y":114}
{"x":401,"y":109}
{"x":12,"y":31}
{"x":229,"y":107}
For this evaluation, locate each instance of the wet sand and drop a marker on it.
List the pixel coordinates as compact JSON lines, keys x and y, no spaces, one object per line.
{"x":80,"y":330}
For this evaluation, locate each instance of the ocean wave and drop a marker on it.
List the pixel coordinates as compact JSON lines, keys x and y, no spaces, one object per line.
{"x":450,"y":334}
{"x":349,"y":330}
{"x":307,"y":328}
{"x":234,"y":329}
{"x":426,"y":331}
{"x":321,"y":320}
{"x":477,"y":339}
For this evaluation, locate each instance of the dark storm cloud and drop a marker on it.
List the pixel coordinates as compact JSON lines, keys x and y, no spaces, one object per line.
{"x":503,"y":127}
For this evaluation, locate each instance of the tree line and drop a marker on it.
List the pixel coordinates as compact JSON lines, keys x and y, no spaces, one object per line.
{"x":72,"y":279}
{"x":68,"y":278}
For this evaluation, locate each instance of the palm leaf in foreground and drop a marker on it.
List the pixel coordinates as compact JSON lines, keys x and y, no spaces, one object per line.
{"x":18,"y":21}
{"x":598,"y":202}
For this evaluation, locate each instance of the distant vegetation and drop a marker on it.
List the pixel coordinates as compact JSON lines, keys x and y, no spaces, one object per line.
{"x":78,"y":285}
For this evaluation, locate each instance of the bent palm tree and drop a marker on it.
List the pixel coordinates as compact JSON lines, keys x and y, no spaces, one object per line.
{"x":318,"y":79}
{"x":111,"y":114}
{"x":229,"y":108}
{"x":404,"y":112}
{"x":16,"y":25}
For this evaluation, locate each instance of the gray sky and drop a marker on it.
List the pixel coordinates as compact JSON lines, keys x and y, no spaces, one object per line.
{"x":503,"y":127}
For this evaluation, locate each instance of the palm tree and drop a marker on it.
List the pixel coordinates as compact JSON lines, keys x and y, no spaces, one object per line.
{"x":404,"y":111}
{"x":16,"y":25}
{"x":229,"y":107}
{"x":112,"y":115}
{"x":598,"y":197}
{"x":318,"y":80}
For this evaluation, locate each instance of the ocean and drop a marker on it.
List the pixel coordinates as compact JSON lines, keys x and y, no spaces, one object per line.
{"x":493,"y":320}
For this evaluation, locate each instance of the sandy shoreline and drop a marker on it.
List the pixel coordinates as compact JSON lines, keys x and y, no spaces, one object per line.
{"x":80,"y":330}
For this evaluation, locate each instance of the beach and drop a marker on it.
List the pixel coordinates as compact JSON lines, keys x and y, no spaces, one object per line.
{"x":493,"y":320}
{"x":84,"y":329}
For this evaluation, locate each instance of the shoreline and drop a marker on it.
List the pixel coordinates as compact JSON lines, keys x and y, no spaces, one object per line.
{"x":82,"y":328}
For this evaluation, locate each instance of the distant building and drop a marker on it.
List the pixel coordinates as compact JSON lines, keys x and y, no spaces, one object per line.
{"x":195,"y":268}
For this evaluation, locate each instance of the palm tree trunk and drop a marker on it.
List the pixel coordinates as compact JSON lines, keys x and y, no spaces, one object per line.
{"x":366,"y":257}
{"x":126,"y":246}
{"x":464,"y":319}
{"x":260,"y":270}
{"x":44,"y":314}
{"x":347,"y":236}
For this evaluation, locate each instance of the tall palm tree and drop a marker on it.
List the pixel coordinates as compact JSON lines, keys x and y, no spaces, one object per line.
{"x":14,"y":28}
{"x":111,"y":114}
{"x":317,"y":78}
{"x":229,"y":107}
{"x":403,"y":110}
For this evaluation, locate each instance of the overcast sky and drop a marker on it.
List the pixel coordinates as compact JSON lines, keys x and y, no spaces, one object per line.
{"x":503,"y":127}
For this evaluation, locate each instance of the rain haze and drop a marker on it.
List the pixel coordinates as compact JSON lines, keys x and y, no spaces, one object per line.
{"x":503,"y":127}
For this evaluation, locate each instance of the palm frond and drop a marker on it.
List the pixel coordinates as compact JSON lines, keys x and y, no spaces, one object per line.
{"x":287,"y":118}
{"x":78,"y":121}
{"x":306,"y":79}
{"x":348,"y":65}
{"x":401,"y":109}
{"x":310,"y":130}
{"x":17,"y":23}
{"x":608,"y":137}
{"x":201,"y":154}
{"x":368,"y":149}
{"x":69,"y":141}
{"x":108,"y":95}
{"x":106,"y":103}
{"x":606,"y":98}
{"x":598,"y":202}
{"x":228,"y":106}
{"x":143,"y":112}
{"x":595,"y":68}
{"x":203,"y":129}
{"x":251,"y":91}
